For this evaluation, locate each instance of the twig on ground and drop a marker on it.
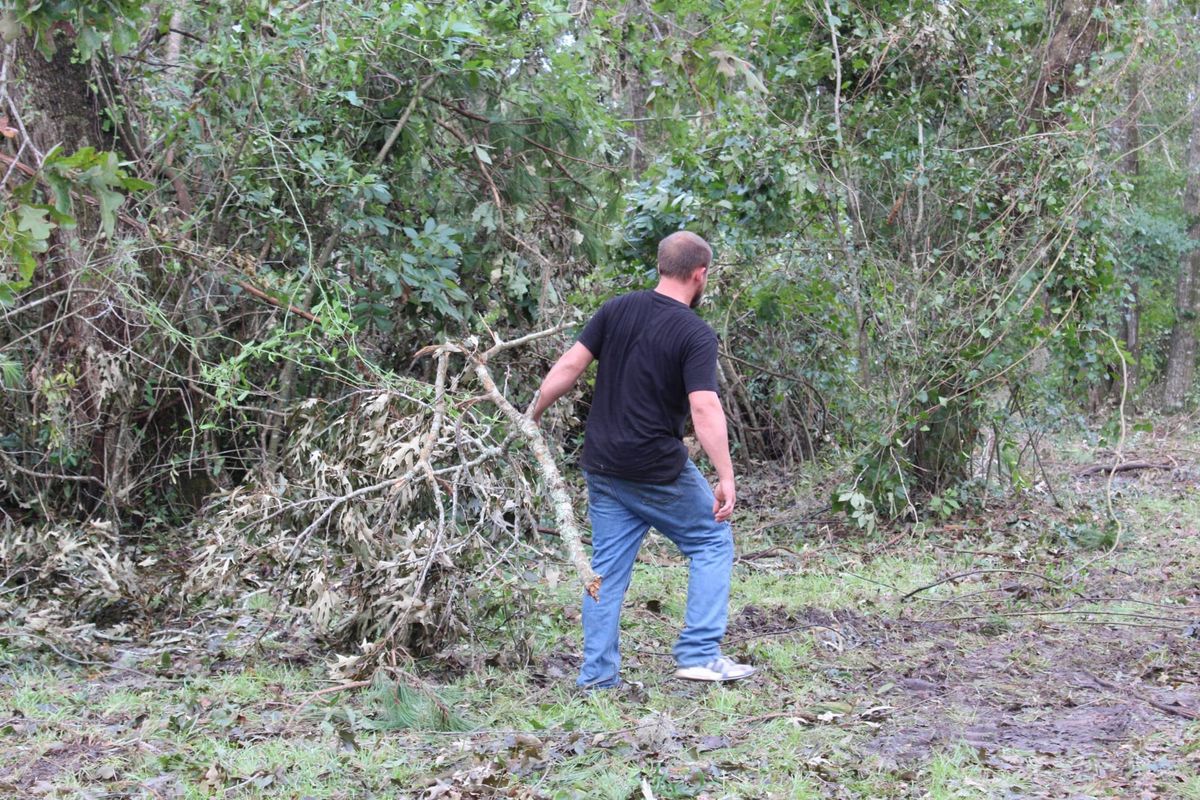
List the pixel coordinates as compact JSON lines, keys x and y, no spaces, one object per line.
{"x":1096,"y":611}
{"x":872,"y":580}
{"x":749,"y":637}
{"x":767,"y":553}
{"x":786,"y":519}
{"x":1127,"y":466}
{"x":1178,"y":626}
{"x":960,"y":552}
{"x":341,"y":687}
{"x":1180,"y":711}
{"x":308,"y":698}
{"x":886,"y":545}
{"x":969,"y":573}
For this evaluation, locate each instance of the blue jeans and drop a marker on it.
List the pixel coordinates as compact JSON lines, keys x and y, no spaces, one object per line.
{"x":621,"y":512}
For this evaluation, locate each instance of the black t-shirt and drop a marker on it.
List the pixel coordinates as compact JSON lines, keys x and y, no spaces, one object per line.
{"x":653,"y":351}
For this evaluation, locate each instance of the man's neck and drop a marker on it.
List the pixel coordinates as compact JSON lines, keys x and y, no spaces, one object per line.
{"x":675,"y":290}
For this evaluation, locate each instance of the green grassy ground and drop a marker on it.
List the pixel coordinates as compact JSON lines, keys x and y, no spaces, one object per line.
{"x":1050,"y":667}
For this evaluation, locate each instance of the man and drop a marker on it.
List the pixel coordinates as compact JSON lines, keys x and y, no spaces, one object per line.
{"x":657,"y":360}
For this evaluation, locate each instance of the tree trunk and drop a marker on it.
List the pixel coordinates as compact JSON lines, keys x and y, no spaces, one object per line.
{"x":635,"y":97}
{"x":56,"y":107}
{"x":54,"y":97}
{"x":1128,"y":138}
{"x":1181,"y":355}
{"x":1073,"y":37}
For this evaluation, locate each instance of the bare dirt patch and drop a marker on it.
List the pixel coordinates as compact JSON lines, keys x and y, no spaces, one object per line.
{"x":556,"y":666}
{"x":51,"y":761}
{"x":1042,"y":688}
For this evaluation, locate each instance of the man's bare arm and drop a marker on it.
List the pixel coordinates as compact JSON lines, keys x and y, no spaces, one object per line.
{"x":561,"y":377}
{"x":708,"y":418}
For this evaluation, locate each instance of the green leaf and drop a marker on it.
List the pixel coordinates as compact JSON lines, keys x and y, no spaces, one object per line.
{"x":463,"y":27}
{"x":88,"y":42}
{"x":33,"y":221}
{"x":124,"y":38}
{"x":110,"y":201}
{"x":136,"y":185}
{"x":26,"y":264}
{"x":61,"y":188}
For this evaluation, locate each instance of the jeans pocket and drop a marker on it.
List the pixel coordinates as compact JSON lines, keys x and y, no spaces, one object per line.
{"x":662,"y":495}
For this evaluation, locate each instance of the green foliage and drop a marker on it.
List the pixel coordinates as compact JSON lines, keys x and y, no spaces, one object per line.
{"x":895,"y":258}
{"x":486,"y":173}
{"x":24,"y":232}
{"x":10,"y":372}
{"x":98,"y":175}
{"x":1150,"y":248}
{"x":113,"y":22}
{"x":29,"y":221}
{"x":945,"y":505}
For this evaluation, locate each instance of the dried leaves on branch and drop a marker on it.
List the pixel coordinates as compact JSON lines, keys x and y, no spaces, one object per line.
{"x":402,"y":517}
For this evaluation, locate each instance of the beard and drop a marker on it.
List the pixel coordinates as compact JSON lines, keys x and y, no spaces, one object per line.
{"x":696,"y":298}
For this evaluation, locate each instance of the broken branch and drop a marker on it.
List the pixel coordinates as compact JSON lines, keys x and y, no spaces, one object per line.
{"x":560,"y":498}
{"x":1128,"y":466}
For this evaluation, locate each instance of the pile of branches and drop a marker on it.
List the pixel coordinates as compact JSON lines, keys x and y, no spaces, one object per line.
{"x":399,"y":518}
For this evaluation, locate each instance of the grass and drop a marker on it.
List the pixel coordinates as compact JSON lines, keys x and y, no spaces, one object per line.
{"x":820,"y":720}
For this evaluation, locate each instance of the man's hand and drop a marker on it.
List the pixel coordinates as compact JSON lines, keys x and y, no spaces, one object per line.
{"x":726,"y":496}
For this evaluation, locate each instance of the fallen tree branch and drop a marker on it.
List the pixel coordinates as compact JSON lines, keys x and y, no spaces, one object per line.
{"x":969,"y":573}
{"x":1127,"y":466}
{"x":560,"y":498}
{"x":500,"y":346}
{"x":429,"y":440}
{"x":768,"y":553}
{"x":564,"y":510}
{"x":1179,"y":711}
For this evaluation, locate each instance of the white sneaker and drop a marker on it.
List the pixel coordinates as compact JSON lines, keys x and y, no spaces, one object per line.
{"x":719,"y":669}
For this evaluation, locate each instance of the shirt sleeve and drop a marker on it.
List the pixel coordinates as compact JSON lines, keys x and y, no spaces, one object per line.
{"x":593,"y":333}
{"x":700,"y":364}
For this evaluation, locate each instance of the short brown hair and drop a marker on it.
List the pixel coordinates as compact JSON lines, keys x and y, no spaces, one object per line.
{"x":681,"y":254}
